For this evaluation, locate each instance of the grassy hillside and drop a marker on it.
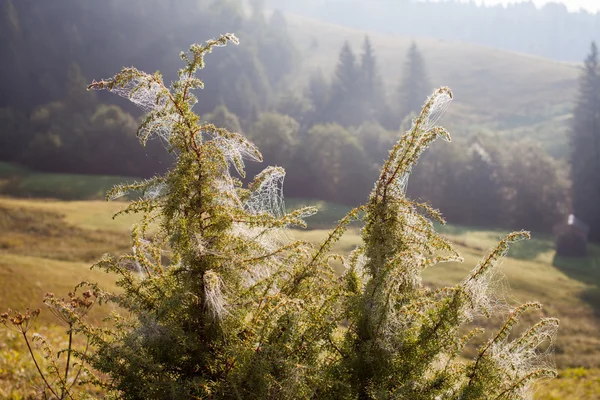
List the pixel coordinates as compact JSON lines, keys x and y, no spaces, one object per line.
{"x":49,"y":245}
{"x":495,"y":90}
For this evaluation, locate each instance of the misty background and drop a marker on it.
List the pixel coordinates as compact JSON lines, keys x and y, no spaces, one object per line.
{"x":323,"y":87}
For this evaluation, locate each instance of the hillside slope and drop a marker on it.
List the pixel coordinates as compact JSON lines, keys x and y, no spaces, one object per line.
{"x":495,"y":90}
{"x":48,"y":245}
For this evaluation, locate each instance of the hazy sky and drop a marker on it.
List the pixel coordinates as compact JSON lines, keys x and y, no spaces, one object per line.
{"x":573,"y":5}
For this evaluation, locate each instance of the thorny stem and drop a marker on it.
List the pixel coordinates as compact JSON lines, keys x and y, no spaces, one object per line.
{"x":136,"y":291}
{"x":273,"y":253}
{"x":259,"y":308}
{"x":297,"y":349}
{"x":230,"y":366}
{"x":336,"y":348}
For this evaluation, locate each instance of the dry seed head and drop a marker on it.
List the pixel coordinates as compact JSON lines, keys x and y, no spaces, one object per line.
{"x":19,"y":322}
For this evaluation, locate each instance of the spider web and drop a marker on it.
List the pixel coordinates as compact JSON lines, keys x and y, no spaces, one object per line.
{"x":268,"y":197}
{"x":440,"y":102}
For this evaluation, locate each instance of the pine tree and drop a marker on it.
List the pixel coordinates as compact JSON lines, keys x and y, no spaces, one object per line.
{"x":296,"y":105}
{"x":536,"y":192}
{"x":371,"y":84}
{"x":345,"y":104}
{"x":277,"y":136}
{"x":218,"y":302}
{"x":414,"y":86}
{"x":585,"y":147}
{"x":346,"y":73}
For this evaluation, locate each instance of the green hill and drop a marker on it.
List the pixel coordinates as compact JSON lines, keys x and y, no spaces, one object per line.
{"x":20,"y":182}
{"x":513,"y":94}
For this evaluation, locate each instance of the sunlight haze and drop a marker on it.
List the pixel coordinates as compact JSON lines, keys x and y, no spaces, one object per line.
{"x":572,"y":5}
{"x":328,"y":218}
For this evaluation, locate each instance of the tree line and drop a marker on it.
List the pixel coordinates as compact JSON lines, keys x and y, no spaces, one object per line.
{"x":550,"y":31}
{"x":332,"y":134}
{"x":338,"y":132}
{"x":49,"y":50}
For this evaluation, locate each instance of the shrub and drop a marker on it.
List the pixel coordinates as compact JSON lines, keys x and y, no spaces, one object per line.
{"x":218,"y":302}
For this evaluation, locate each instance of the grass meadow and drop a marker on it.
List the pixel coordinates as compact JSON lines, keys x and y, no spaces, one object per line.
{"x":49,"y":245}
{"x":23,"y":183}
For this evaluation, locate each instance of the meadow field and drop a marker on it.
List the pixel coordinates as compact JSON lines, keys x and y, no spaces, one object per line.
{"x":49,"y":245}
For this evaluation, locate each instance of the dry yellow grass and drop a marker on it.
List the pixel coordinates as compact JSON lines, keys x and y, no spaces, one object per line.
{"x":572,"y":384}
{"x":532,"y":273}
{"x":25,"y":280}
{"x":48,"y":248}
{"x":94,"y":214}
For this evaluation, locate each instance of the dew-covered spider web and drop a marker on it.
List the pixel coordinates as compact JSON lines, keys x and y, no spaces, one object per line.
{"x":143,"y":92}
{"x":440,"y":102}
{"x":268,"y":197}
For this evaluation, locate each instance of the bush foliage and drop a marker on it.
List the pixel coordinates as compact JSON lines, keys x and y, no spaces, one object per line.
{"x":217,"y":301}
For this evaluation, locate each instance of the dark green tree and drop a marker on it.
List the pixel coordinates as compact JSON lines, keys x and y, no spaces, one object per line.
{"x":277,"y":136}
{"x":346,"y":73}
{"x":414,"y":85}
{"x":481,"y":189}
{"x":78,"y":133}
{"x":585,"y":146}
{"x":345,"y":105}
{"x":373,"y":94}
{"x":376,"y":142}
{"x":467,"y":184}
{"x":339,"y":165}
{"x":494,"y":183}
{"x":535,"y":187}
{"x":439,"y":180}
{"x":13,"y":134}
